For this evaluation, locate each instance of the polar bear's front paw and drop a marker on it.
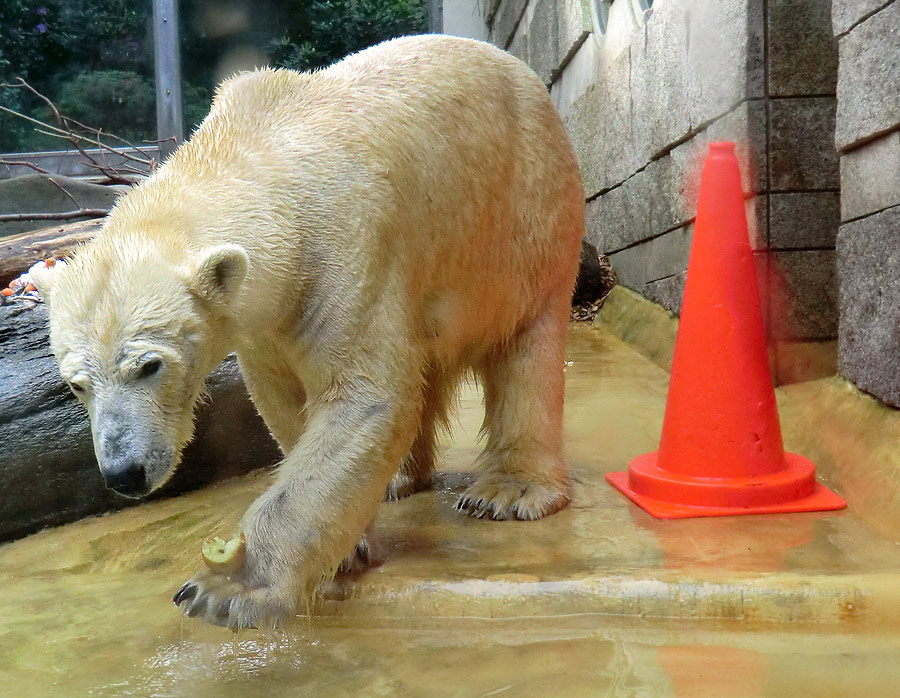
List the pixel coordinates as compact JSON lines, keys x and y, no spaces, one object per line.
{"x":223,"y":601}
{"x":499,"y":497}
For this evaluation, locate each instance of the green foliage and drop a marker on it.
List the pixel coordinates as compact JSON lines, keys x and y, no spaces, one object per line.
{"x":335,"y":28}
{"x":119,"y":97}
{"x":55,"y":45}
{"x":194,"y":105}
{"x":94,"y":58}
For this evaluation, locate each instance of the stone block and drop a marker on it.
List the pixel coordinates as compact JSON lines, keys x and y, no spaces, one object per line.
{"x":746,"y":126}
{"x":673,"y":184}
{"x":725,"y":57}
{"x":756,"y":208}
{"x":802,"y":289}
{"x":582,"y":71}
{"x":658,"y":81}
{"x":620,"y":217}
{"x":668,"y":292}
{"x":868,"y":88}
{"x":868,"y":257}
{"x":802,"y":51}
{"x":801,"y":155}
{"x":870,"y":177}
{"x":519,"y":45}
{"x":803,"y":220}
{"x":574,"y":26}
{"x":600,"y":126}
{"x":506,"y":19}
{"x":490,"y":10}
{"x":674,"y":179}
{"x":630,"y":267}
{"x":691,"y":67}
{"x":846,"y":14}
{"x":549,"y":33}
{"x":668,"y":254}
{"x":542,"y":38}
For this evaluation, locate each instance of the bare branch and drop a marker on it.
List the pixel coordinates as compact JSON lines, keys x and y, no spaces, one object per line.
{"x":67,"y":131}
{"x":161,"y":140}
{"x":23,"y":163}
{"x":114,"y":174}
{"x":149,"y":159}
{"x":63,"y":216}
{"x":59,"y":131}
{"x":24,"y":85}
{"x":64,"y":191}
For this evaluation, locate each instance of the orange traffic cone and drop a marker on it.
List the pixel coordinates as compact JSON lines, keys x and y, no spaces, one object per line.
{"x":721,"y":451}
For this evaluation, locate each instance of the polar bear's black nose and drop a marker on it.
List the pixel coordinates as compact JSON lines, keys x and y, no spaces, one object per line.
{"x":128,"y":478}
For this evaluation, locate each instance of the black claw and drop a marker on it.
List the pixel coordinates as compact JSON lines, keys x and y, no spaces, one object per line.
{"x":364,"y":553}
{"x":186,"y":593}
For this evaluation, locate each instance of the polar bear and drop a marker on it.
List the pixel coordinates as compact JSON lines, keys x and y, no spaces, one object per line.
{"x":361,"y":236}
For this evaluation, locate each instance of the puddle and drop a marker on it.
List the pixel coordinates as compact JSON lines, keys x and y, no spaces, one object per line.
{"x":599,"y":600}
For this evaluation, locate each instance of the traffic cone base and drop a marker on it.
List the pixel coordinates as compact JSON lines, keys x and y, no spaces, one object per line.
{"x":666,"y":495}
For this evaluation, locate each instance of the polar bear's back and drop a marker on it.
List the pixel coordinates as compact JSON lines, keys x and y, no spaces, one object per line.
{"x":479,"y":171}
{"x":447,"y":149}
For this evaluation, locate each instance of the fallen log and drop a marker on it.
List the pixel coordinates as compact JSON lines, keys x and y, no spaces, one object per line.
{"x":18,"y":252}
{"x":47,"y":464}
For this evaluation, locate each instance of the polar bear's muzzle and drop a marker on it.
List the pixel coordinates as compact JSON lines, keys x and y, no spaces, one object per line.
{"x":134,"y":458}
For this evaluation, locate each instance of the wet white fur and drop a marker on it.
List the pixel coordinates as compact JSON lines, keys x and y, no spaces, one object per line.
{"x":412,"y":212}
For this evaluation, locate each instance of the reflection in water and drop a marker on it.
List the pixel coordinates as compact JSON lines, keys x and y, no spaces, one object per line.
{"x":598,"y":600}
{"x":714,"y":672}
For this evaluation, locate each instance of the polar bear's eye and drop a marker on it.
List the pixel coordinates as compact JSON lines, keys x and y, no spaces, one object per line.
{"x":150,"y":368}
{"x":79,"y":385}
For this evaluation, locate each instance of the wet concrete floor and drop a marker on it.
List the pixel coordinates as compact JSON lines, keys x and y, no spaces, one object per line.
{"x":599,"y":600}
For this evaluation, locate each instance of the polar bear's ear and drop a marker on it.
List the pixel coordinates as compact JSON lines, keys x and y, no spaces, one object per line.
{"x":220,"y":272}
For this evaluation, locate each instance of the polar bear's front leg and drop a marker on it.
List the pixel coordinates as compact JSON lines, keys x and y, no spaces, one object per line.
{"x":327,"y":492}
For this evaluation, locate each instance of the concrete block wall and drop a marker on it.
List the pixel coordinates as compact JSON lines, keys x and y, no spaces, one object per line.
{"x":642,"y":102}
{"x":867,"y":137}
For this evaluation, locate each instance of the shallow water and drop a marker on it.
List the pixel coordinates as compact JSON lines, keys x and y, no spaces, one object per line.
{"x":599,"y":600}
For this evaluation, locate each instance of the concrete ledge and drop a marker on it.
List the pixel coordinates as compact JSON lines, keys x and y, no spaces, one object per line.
{"x":873,"y":599}
{"x":854,"y":441}
{"x":648,"y":327}
{"x":652,"y":330}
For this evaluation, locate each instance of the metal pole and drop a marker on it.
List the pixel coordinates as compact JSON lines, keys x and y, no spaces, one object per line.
{"x":169,"y":122}
{"x":436,"y":16}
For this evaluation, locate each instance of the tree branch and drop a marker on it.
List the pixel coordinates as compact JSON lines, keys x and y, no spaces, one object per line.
{"x":64,"y":191}
{"x":66,"y":130}
{"x":23,"y":163}
{"x":62,"y":216}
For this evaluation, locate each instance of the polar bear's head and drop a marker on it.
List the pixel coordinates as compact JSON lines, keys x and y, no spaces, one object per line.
{"x":135,"y":334}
